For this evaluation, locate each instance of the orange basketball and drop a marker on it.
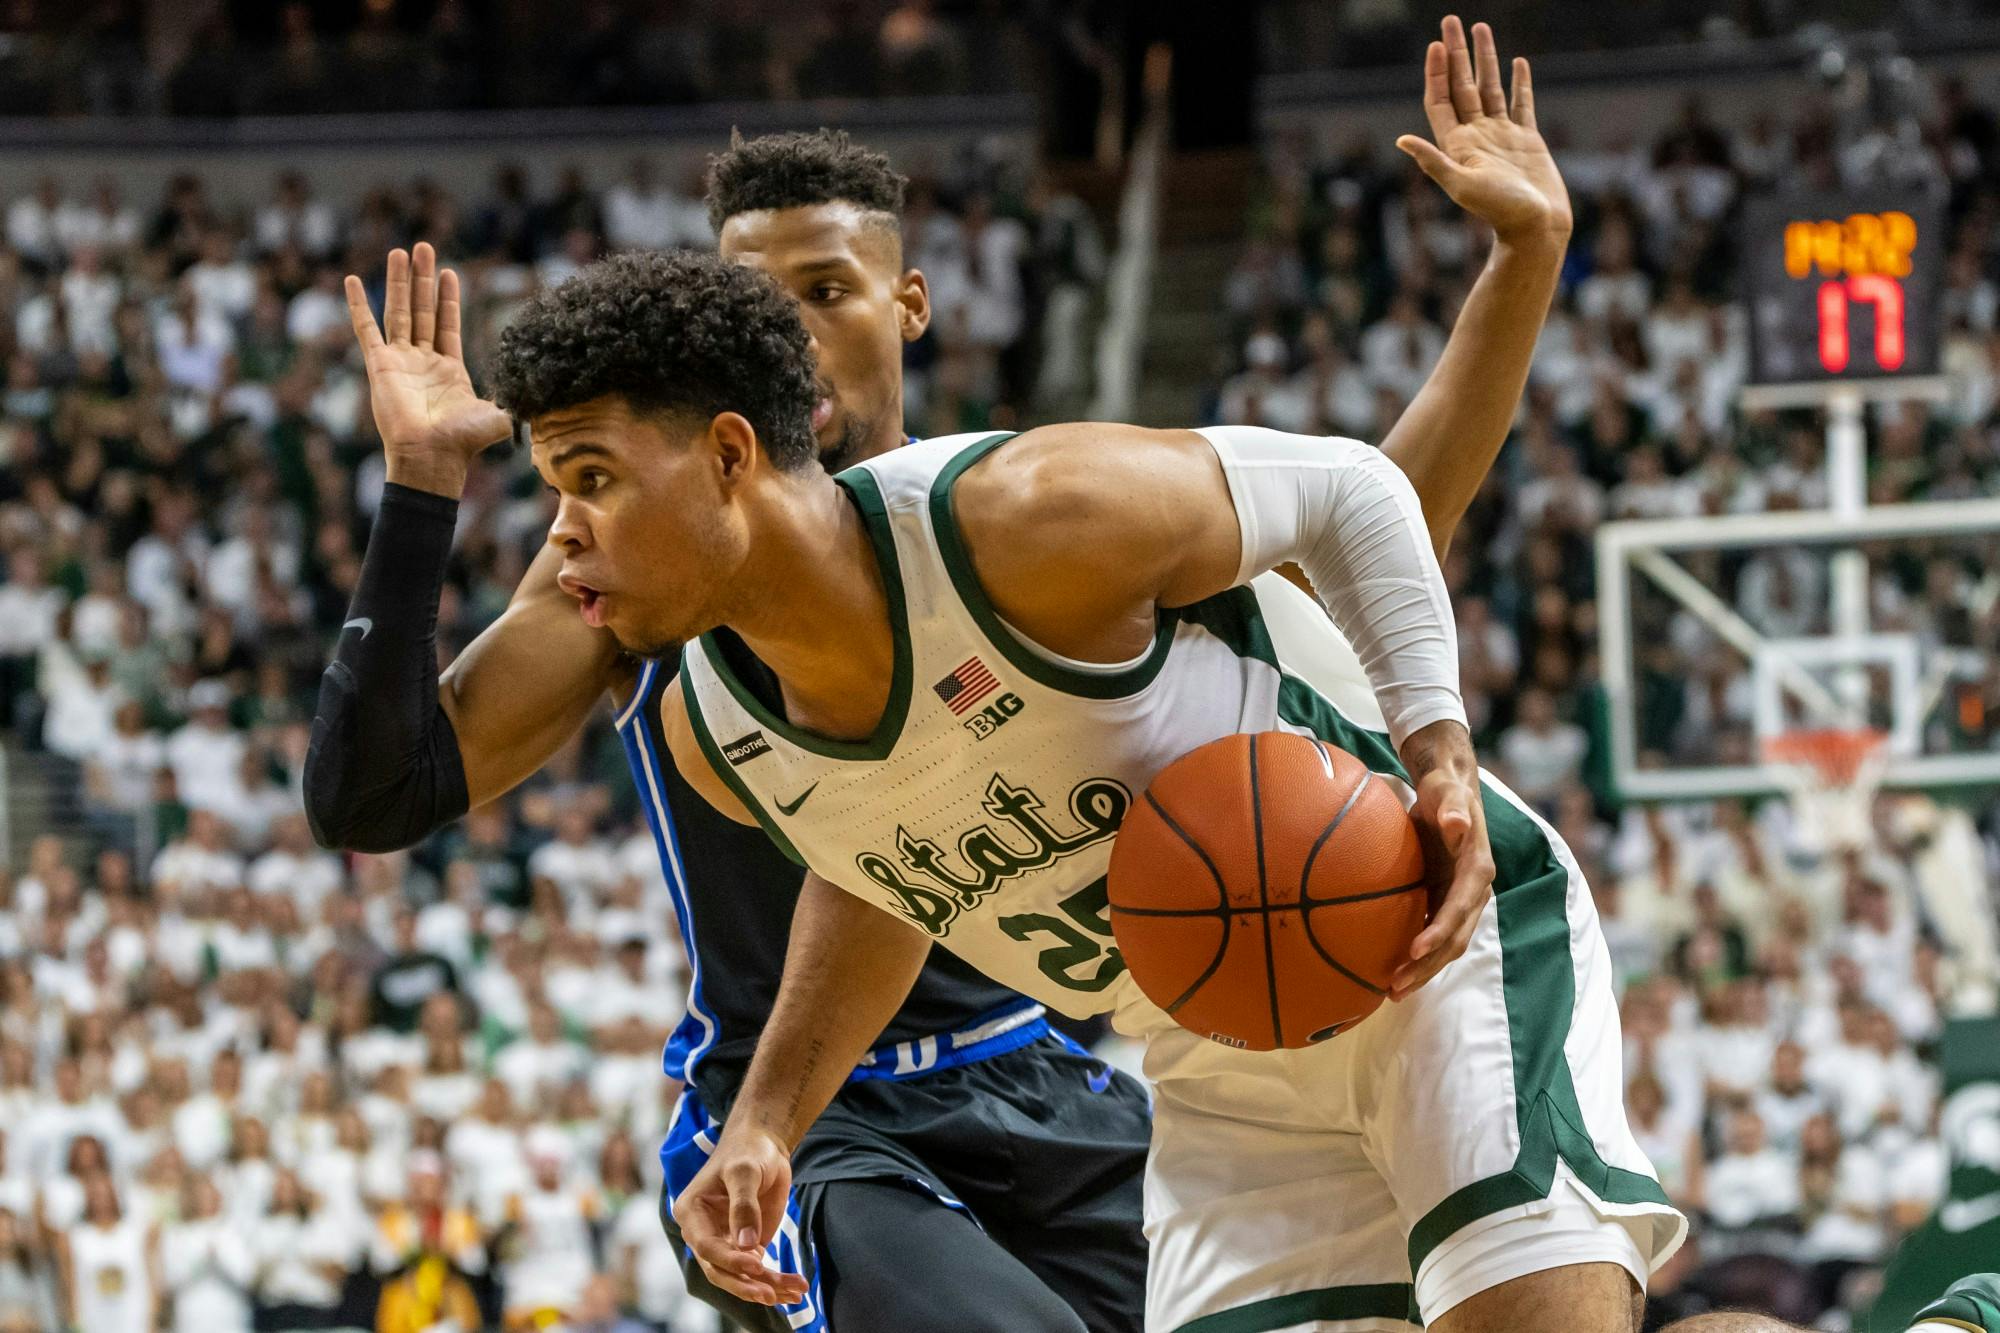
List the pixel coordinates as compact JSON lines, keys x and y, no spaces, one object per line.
{"x":1265,"y":889}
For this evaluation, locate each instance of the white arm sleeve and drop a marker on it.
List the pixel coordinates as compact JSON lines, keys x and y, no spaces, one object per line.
{"x":1351,"y":520}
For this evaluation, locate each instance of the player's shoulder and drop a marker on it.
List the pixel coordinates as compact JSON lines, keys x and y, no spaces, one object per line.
{"x":1082,"y":482}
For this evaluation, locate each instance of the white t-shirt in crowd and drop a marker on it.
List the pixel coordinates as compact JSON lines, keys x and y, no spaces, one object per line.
{"x":290,"y":1251}
{"x":306,"y":880}
{"x":1851,"y":1226}
{"x":1540,"y":764}
{"x":208,"y":1266}
{"x":206,"y":761}
{"x":531,"y":1069}
{"x":1745,"y":1188}
{"x":554,"y":1259}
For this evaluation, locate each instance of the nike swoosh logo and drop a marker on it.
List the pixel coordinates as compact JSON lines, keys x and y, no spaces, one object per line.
{"x":793,"y":808}
{"x":1967,"y":1214}
{"x":362,"y":623}
{"x":1100,"y":1080}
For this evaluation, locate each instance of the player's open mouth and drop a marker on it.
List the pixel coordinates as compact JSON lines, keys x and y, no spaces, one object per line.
{"x":822,"y":413}
{"x":590,"y":602}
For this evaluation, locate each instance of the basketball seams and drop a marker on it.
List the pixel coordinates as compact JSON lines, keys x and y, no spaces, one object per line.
{"x":1309,"y":903}
{"x":1224,"y":996}
{"x":1312,"y":938}
{"x":1353,"y":798}
{"x":1264,"y":897}
{"x":1221,"y":899}
{"x":1304,"y":904}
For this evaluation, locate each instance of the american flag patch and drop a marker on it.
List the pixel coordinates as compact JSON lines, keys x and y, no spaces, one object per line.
{"x":966,"y":686}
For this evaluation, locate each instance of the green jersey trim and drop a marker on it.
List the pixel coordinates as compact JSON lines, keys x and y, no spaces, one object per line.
{"x":1539,"y":984}
{"x":867,"y":496}
{"x":713,"y":753}
{"x":1381,"y":1300}
{"x":958,"y":564}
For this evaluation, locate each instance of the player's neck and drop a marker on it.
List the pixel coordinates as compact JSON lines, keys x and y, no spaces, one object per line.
{"x":817,"y":615}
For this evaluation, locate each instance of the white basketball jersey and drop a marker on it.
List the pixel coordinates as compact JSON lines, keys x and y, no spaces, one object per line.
{"x":983,"y":807}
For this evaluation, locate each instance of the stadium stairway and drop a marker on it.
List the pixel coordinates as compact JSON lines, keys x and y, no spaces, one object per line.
{"x":1206,"y":196}
{"x":44,"y":795}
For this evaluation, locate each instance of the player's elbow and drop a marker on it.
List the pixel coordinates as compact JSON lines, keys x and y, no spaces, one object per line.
{"x":378,"y":793}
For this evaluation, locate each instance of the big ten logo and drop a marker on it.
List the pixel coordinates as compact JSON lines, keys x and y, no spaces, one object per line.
{"x":994,"y":716}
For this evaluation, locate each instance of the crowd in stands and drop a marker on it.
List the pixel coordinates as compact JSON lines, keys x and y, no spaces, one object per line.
{"x":1782,"y":999}
{"x":313,"y":57}
{"x":245,"y":1082}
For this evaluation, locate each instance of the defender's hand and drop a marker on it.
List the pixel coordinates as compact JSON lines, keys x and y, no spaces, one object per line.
{"x":431,"y":421}
{"x":730,"y":1211}
{"x":1489,"y":156}
{"x":1451,"y":822}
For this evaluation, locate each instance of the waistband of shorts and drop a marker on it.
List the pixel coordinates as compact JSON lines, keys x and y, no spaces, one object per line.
{"x":995,"y":1032}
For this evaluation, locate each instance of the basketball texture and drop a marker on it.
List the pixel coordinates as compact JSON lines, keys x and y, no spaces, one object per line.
{"x":1265,"y":889}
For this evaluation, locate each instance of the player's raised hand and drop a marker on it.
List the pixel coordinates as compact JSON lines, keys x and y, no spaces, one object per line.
{"x":431,"y":420}
{"x":1488,"y":154}
{"x":730,"y":1211}
{"x":1451,"y":822}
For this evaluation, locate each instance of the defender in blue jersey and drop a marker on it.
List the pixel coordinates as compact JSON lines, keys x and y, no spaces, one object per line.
{"x":975,"y":1172}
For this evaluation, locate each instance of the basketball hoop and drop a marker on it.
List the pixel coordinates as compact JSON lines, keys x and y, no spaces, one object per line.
{"x":1832,"y":775}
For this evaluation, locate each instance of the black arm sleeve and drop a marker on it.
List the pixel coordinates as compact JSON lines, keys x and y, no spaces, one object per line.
{"x":383,"y":770}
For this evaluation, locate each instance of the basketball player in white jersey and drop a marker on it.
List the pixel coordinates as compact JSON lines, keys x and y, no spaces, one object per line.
{"x":1463,"y":1153}
{"x":108,"y":1259}
{"x":1099,"y":572}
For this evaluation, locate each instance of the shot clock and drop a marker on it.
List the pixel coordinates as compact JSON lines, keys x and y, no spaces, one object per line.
{"x":1843,"y":286}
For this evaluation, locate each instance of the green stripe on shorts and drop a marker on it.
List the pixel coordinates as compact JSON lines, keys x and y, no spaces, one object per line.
{"x":1383,"y":1300}
{"x":1538,"y":977}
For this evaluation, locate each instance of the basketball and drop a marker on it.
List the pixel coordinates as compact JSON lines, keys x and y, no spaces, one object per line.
{"x":1265,"y":889}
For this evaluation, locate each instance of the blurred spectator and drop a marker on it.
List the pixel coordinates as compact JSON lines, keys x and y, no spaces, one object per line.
{"x":1752,"y":1185}
{"x":27,"y":1293}
{"x":206,"y":1265}
{"x":642,"y":212}
{"x":1541,"y":753}
{"x":303,"y":1253}
{"x":408,"y":978}
{"x":548,"y":1233}
{"x":110,"y":1258}
{"x":596,"y":1311}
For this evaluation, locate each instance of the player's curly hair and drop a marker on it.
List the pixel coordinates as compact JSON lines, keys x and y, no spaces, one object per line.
{"x":798,"y":169}
{"x":675,"y":331}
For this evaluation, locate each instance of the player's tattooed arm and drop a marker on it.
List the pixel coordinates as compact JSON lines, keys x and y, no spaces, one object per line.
{"x":1490,"y":158}
{"x":849,"y":967}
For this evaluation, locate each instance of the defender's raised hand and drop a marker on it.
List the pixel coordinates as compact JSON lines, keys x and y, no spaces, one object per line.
{"x":1489,"y":156}
{"x":431,"y":420}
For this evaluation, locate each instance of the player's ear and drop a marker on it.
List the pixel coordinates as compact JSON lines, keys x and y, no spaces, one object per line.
{"x":733,"y":442}
{"x":913,"y":305}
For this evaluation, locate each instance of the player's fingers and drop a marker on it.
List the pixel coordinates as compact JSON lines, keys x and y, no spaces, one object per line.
{"x":727,"y":1266}
{"x":1457,"y":912}
{"x":746,"y":1213}
{"x":358,"y":313}
{"x":1430,"y":159}
{"x":1487,"y":70}
{"x":396,"y":303}
{"x":1524,"y":93}
{"x":448,"y":316}
{"x":1438,"y":944}
{"x":1437,"y":91}
{"x":1458,"y":57}
{"x":423,"y":294}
